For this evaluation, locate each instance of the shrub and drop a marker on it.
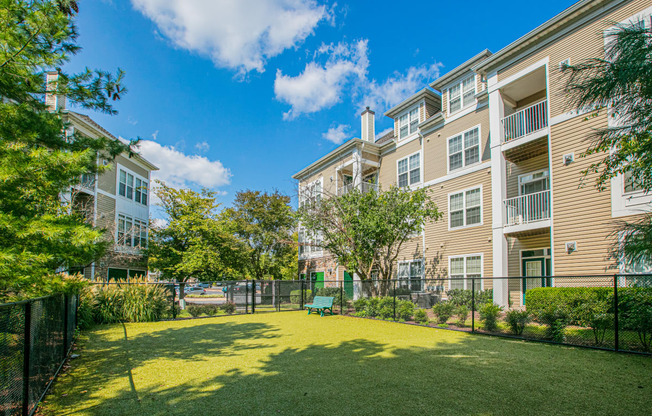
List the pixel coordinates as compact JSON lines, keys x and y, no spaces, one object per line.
{"x":194,"y":310}
{"x":361,"y":314}
{"x":547,"y":304}
{"x":594,"y":314}
{"x":336,"y":292}
{"x":635,"y":312}
{"x":489,"y":313}
{"x":144,"y":303}
{"x":228,"y":307}
{"x":360,"y":304}
{"x":462,"y":313}
{"x":421,"y":316}
{"x":443,"y":311}
{"x":295,"y":296}
{"x":373,"y":307}
{"x":211,"y":310}
{"x":107,"y":304}
{"x":404,"y":309}
{"x":557,"y":330}
{"x":463,"y":297}
{"x":517,"y":320}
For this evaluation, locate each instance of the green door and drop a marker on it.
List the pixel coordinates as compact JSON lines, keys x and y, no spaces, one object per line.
{"x":535,"y":271}
{"x":316,"y":280}
{"x":348,"y":285}
{"x":117,"y":274}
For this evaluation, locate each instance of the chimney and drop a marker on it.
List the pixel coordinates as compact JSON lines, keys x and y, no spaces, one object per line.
{"x":368,"y":126}
{"x":54,"y":102}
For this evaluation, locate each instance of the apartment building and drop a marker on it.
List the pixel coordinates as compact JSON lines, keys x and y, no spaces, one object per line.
{"x":117,"y":200}
{"x":498,"y":145}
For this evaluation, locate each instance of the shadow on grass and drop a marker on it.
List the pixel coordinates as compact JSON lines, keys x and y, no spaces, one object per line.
{"x":466,"y":375}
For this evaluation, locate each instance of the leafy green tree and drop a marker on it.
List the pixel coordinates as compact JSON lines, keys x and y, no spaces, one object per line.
{"x":195,"y":242}
{"x":39,"y":231}
{"x":621,"y":81}
{"x":365,"y":231}
{"x":264,"y":223}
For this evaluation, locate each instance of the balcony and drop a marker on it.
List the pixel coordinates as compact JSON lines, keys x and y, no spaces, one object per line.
{"x":525,"y":122}
{"x":365,"y":187}
{"x":86,"y":183}
{"x":527,"y":209}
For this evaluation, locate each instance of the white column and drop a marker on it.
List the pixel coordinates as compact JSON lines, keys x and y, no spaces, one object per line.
{"x":498,"y":195}
{"x":357,"y":168}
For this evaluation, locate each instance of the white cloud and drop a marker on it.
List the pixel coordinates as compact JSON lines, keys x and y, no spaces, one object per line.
{"x":384,"y":132}
{"x":202,"y":147}
{"x":338,"y":134}
{"x":236,"y":34}
{"x":321,"y":86}
{"x":180,"y":170}
{"x":396,"y":88}
{"x":155,"y":135}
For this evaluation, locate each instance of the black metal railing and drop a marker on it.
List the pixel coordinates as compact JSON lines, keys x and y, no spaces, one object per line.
{"x":36,"y":336}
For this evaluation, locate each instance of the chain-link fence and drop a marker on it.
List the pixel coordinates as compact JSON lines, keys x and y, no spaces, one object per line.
{"x":35,"y":338}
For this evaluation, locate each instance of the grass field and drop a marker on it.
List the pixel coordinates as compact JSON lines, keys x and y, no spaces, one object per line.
{"x":293,"y":364}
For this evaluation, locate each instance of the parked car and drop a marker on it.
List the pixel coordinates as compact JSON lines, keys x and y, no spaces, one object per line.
{"x":192,"y":290}
{"x":204,"y":285}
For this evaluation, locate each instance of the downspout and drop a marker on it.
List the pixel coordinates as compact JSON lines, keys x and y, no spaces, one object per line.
{"x":423,"y":180}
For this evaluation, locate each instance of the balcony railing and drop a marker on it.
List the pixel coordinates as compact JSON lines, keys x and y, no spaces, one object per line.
{"x":525,"y":121}
{"x":87,"y":181}
{"x":528,"y":208}
{"x":366,"y":187}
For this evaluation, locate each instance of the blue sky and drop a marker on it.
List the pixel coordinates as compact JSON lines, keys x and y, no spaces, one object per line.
{"x":242,"y":94}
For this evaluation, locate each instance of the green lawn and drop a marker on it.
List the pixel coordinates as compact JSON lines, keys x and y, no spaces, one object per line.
{"x":293,"y":364}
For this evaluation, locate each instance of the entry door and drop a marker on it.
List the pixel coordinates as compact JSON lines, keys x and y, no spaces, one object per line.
{"x":535,"y":271}
{"x":348,"y":285}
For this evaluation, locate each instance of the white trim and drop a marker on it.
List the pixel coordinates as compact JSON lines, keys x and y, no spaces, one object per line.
{"x":550,"y":173}
{"x":416,"y":106}
{"x":463,"y":192}
{"x":464,"y":165}
{"x":465,"y":111}
{"x":534,"y":172}
{"x":538,"y":64}
{"x":120,"y":167}
{"x":409,"y":263}
{"x":511,"y":229}
{"x":464,"y":256}
{"x":460,"y":81}
{"x":459,"y":172}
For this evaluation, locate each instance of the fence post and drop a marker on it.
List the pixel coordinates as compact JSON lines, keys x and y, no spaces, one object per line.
{"x":394,"y":298}
{"x":303,"y":288}
{"x":246,"y":298}
{"x":616,"y":340}
{"x":253,"y":295}
{"x":26,"y":350}
{"x":277,"y":286}
{"x":174,"y":302}
{"x":66,"y":301}
{"x":473,"y":304}
{"x":341,"y":296}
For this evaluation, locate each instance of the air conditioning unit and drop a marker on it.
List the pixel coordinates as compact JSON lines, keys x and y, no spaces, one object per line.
{"x":571,"y":247}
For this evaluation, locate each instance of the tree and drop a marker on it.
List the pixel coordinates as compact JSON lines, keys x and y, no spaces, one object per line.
{"x":365,"y":231}
{"x":264,"y":223}
{"x":40,"y":232}
{"x":194,"y":243}
{"x":621,"y":81}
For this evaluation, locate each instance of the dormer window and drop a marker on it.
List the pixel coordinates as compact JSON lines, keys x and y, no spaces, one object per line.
{"x":461,"y":95}
{"x":408,"y":122}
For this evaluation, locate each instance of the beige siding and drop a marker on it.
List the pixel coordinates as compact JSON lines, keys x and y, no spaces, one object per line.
{"x":514,"y":247}
{"x":436,"y":145}
{"x":387,"y":175}
{"x":444,"y":102}
{"x":105,"y":212}
{"x":131,"y":165}
{"x":534,"y":164}
{"x":589,"y":36}
{"x":431,"y":110}
{"x":107,"y":181}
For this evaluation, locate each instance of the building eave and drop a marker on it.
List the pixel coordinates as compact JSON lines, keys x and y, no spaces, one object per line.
{"x":425,"y":94}
{"x":440,"y":82}
{"x":330,"y":156}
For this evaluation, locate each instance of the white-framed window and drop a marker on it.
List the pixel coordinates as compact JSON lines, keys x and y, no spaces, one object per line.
{"x":409,"y":170}
{"x":310,"y":194}
{"x":132,"y":187}
{"x":464,"y":149}
{"x":410,"y":275}
{"x":131,"y":232}
{"x":629,"y":184}
{"x":534,"y":182}
{"x":408,"y":123}
{"x":309,"y":243}
{"x":461,"y":95}
{"x":465,"y":208}
{"x":461,"y":269}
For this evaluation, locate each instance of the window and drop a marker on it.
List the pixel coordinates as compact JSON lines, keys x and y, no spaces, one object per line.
{"x":465,"y":208}
{"x":141,"y":191}
{"x":409,"y":170}
{"x":310,"y":195}
{"x":126,"y":187}
{"x":534,"y":182}
{"x":410,"y":275}
{"x":408,"y":123}
{"x":630,"y":185}
{"x":463,"y":269}
{"x":131,"y":232}
{"x":309,"y":242}
{"x":464,"y":149}
{"x":461,"y":95}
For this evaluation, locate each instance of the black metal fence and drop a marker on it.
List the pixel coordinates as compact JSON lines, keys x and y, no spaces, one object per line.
{"x":35,"y":338}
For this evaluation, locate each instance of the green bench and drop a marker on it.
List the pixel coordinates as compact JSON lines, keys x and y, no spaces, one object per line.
{"x":321,"y":304}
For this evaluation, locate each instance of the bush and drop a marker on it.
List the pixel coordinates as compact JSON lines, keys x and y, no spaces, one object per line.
{"x":194,"y":310}
{"x":489,"y":313}
{"x":144,"y":302}
{"x":517,"y":320}
{"x":295,"y":296}
{"x":211,"y":310}
{"x":360,"y":304}
{"x":463,"y":297}
{"x":336,"y":292}
{"x":547,"y":304}
{"x":635,"y":313}
{"x":404,"y":310}
{"x":462,"y":313}
{"x":443,"y":311}
{"x":373,"y":307}
{"x":595,"y":315}
{"x":107,"y":304}
{"x":228,"y":307}
{"x":421,"y":316}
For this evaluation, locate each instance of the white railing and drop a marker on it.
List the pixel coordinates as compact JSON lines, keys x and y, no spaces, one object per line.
{"x":366,"y":187}
{"x":87,"y":181}
{"x":525,"y":121}
{"x":528,"y":208}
